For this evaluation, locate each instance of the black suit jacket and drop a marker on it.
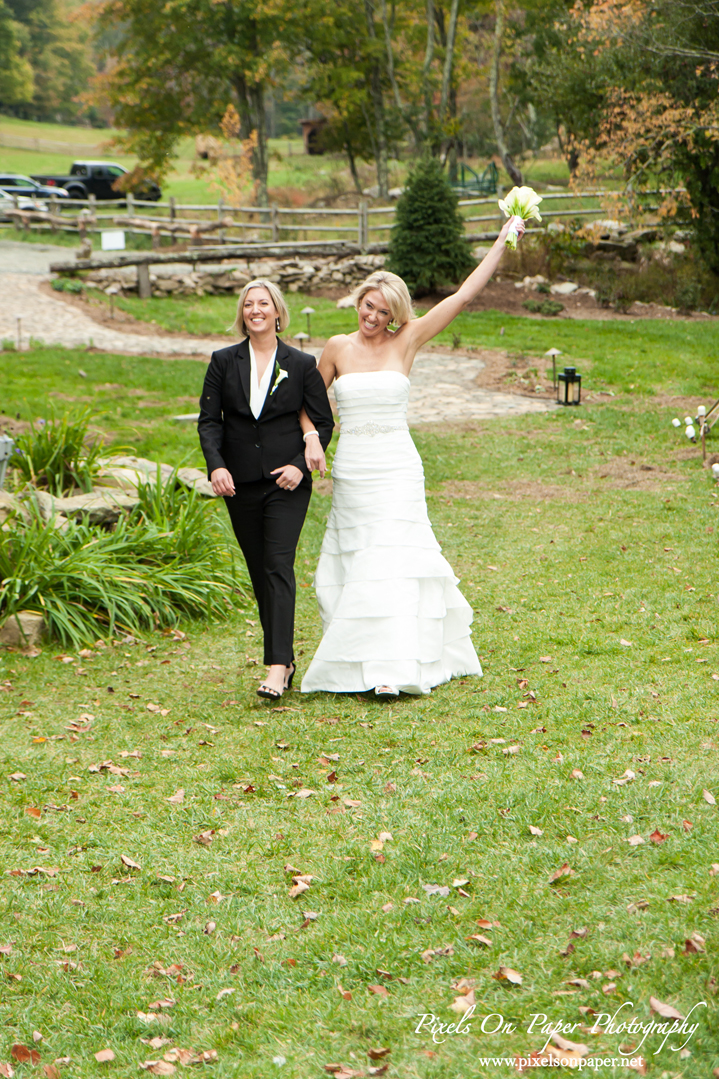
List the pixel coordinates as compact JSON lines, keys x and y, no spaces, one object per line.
{"x":251,"y":448}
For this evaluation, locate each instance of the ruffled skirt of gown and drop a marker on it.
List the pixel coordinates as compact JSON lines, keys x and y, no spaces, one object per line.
{"x":391,"y":610}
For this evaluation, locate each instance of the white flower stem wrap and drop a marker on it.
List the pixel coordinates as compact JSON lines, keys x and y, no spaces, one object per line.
{"x":520,"y":202}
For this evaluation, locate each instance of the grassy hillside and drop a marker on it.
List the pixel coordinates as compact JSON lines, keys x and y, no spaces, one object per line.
{"x":555,"y":817}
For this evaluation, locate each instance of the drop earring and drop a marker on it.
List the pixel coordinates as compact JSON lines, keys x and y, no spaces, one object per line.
{"x":277,"y":325}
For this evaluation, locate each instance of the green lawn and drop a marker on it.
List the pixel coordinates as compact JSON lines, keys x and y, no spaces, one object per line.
{"x":586,"y":544}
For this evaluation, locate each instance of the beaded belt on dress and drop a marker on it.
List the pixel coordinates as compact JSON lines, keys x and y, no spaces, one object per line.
{"x":373,"y":429}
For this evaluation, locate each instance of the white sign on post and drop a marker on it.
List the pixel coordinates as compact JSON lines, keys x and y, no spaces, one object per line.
{"x":113,"y":240}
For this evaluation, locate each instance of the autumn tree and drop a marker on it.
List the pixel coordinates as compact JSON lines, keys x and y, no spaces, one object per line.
{"x":46,"y":59}
{"x":17,"y":83}
{"x":660,"y":121}
{"x":175,"y":69}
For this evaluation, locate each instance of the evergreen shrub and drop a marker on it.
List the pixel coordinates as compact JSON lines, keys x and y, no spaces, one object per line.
{"x":427,"y":245}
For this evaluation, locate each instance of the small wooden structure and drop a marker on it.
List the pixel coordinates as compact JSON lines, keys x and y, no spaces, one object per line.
{"x":312,"y":135}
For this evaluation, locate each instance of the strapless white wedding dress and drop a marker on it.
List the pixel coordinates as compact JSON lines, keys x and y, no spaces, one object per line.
{"x":391,"y":610}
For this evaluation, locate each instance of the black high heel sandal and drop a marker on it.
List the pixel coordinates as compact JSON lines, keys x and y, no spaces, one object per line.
{"x":289,"y":680}
{"x":269,"y":693}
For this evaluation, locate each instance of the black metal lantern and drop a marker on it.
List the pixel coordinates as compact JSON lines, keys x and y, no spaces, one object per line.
{"x":569,"y":387}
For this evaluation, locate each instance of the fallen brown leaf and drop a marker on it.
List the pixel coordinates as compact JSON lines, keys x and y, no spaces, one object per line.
{"x":300,"y":885}
{"x":161,"y":1005}
{"x":508,"y":975}
{"x":378,"y":1054}
{"x":573,"y":1047}
{"x":636,"y":960}
{"x":480,"y":939}
{"x":709,"y":797}
{"x":667,"y":1011}
{"x":159,"y":1067}
{"x":104,"y":1056}
{"x":694,"y":945}
{"x":658,"y":837}
{"x":131,"y":864}
{"x":378,"y":990}
{"x":204,"y":838}
{"x":463,"y":1003}
{"x":23,"y":1055}
{"x":344,"y":993}
{"x":177,"y":797}
{"x":563,"y":871}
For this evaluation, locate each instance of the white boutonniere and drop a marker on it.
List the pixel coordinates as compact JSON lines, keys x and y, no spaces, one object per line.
{"x":280,"y":374}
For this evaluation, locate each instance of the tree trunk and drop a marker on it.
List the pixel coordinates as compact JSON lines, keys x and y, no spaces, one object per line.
{"x":448,"y":60}
{"x":406,"y":113}
{"x":351,"y":158}
{"x":377,"y":97}
{"x":251,"y":107}
{"x":499,"y":133}
{"x":426,"y":68}
{"x":260,"y":158}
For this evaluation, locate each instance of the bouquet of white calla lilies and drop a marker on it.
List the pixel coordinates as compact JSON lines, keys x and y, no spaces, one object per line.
{"x":520,"y":202}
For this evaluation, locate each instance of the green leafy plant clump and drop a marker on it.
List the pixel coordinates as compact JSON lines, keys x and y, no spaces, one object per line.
{"x":57,"y":455}
{"x":170,"y":557}
{"x":543,"y":307}
{"x":428,"y":246}
{"x":66,"y":284}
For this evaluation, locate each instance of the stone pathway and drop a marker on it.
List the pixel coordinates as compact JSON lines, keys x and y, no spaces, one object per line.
{"x":443,"y":387}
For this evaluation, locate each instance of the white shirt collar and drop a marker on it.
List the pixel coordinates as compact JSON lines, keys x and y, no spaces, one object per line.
{"x":259,"y":387}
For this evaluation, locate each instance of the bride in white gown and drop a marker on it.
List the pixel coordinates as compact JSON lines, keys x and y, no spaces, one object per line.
{"x":392,"y":615}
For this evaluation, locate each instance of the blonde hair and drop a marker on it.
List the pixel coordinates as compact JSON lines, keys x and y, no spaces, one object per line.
{"x":275,"y":295}
{"x":395,"y":292}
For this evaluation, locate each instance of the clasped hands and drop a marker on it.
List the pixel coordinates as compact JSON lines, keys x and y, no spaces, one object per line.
{"x":288,"y":477}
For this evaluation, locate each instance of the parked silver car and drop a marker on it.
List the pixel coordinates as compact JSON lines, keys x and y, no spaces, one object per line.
{"x":23,"y":203}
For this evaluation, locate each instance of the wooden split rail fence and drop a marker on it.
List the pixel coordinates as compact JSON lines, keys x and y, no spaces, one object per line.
{"x":367,"y":226}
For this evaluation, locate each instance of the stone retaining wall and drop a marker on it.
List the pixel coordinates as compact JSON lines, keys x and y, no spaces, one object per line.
{"x":292,"y":275}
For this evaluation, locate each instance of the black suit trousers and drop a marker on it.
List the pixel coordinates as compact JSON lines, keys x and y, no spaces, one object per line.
{"x":267,"y":521}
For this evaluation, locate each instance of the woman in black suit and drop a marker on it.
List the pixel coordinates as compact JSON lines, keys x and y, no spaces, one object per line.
{"x":255,"y":451}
